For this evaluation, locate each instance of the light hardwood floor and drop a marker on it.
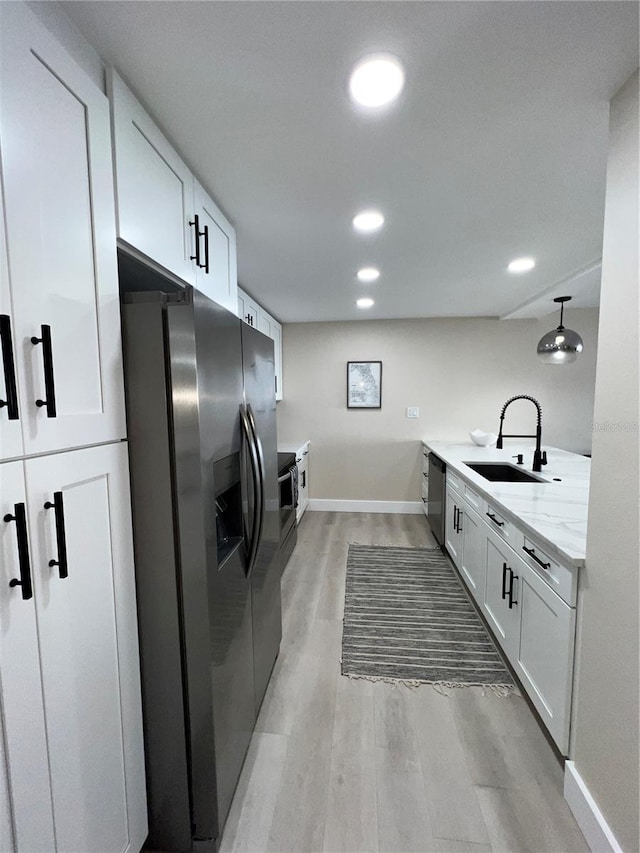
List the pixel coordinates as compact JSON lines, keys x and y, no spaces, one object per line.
{"x":349,"y":765}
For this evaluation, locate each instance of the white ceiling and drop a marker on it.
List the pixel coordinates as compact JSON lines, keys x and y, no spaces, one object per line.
{"x":497,"y":147}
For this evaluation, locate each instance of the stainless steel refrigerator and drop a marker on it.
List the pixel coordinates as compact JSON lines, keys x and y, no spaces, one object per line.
{"x":202,"y":437}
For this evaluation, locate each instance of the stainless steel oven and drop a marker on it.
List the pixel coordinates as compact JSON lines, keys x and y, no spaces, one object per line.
{"x":288,"y":497}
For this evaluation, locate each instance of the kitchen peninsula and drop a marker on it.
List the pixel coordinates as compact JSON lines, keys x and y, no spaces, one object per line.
{"x":518,"y":547}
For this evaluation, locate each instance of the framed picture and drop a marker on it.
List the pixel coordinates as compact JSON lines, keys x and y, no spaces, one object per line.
{"x":364,"y":384}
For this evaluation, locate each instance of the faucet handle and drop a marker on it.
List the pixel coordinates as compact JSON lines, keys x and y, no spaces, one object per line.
{"x":544,"y":457}
{"x":519,"y":457}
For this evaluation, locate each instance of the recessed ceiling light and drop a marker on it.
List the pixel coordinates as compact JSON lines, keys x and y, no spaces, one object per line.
{"x":365,"y":302}
{"x":368,"y":274}
{"x":521,"y":265}
{"x":376,"y":80}
{"x":368,"y":220}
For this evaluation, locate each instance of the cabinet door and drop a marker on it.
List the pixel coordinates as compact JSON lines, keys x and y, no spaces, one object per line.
{"x":544,"y":659}
{"x":453,"y":539}
{"x":57,"y":172}
{"x":154,"y":188}
{"x":217,"y":275}
{"x":22,"y":709}
{"x":502,"y":619}
{"x":302,"y":460}
{"x":472,"y":565}
{"x":276,"y":334}
{"x":268,"y":325}
{"x":11,"y":411}
{"x":247,"y":309}
{"x":87,"y":627}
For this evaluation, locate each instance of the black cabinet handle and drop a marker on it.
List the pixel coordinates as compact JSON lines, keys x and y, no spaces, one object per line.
{"x":9,"y":367}
{"x":531,"y":552}
{"x":205,"y":234}
{"x":495,"y":520}
{"x":459,"y":522}
{"x":455,"y":518}
{"x":47,"y":360}
{"x":512,"y":601}
{"x":20,"y":518}
{"x":505,"y":569}
{"x":304,"y":479}
{"x":61,"y":536}
{"x":195,"y":222}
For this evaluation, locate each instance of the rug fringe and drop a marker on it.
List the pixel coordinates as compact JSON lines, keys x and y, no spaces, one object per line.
{"x":445,"y":688}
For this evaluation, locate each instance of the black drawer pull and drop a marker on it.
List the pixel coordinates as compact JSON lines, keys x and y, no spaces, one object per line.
{"x":531,"y":552}
{"x":9,"y":367}
{"x":61,"y":536}
{"x":512,"y":601}
{"x":495,"y":520}
{"x":459,"y":522}
{"x":47,"y":360}
{"x":505,"y":569}
{"x":20,"y":518}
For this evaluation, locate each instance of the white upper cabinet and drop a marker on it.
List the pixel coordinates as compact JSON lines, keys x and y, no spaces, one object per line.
{"x":154,"y":188}
{"x":248,"y":310}
{"x":255,"y":315}
{"x":163,"y":211}
{"x":217,"y":275}
{"x":60,"y":221}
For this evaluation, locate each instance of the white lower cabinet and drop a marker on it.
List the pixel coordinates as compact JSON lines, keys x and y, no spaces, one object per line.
{"x":545,"y":651}
{"x":473,"y":563}
{"x":526,"y":596}
{"x":302,"y":461}
{"x":452,"y":526}
{"x":536,"y":630}
{"x":29,"y":793}
{"x":500,"y":594}
{"x":70,"y":664}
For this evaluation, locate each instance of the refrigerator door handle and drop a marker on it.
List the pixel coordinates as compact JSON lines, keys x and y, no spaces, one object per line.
{"x":260,"y":453}
{"x":255,"y":474}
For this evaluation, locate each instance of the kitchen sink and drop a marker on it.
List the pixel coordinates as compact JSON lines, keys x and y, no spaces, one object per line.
{"x":504,"y":472}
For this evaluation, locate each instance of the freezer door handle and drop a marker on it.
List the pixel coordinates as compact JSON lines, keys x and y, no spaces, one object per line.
{"x":260,"y":452}
{"x":255,"y":476}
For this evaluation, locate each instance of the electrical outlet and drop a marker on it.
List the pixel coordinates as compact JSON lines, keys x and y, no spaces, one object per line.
{"x":413,"y":412}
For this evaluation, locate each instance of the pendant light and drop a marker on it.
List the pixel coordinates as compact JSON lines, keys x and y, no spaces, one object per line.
{"x":560,"y":346}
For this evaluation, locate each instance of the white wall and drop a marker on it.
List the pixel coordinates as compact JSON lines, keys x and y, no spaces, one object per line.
{"x":459,"y":372}
{"x":605,"y":724}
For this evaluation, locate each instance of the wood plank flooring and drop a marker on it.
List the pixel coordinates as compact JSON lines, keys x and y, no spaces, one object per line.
{"x":351,"y":766}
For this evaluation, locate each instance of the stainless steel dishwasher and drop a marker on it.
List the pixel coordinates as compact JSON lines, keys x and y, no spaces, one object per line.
{"x":436,"y":503}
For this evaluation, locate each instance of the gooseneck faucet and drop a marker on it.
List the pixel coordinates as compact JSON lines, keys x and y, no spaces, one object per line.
{"x":539,"y":458}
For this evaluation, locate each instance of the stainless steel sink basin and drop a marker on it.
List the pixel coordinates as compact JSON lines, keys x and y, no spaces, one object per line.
{"x":504,"y":472}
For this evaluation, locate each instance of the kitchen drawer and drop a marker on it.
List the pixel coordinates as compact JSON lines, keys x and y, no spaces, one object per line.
{"x":454,"y":482}
{"x":562,"y":579}
{"x":497,"y":522}
{"x":473,"y":499}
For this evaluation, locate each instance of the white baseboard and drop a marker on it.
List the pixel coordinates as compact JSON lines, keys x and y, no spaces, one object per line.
{"x":330,"y":505}
{"x":588,"y":816}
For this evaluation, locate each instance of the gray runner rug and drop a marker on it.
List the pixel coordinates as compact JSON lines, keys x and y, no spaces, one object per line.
{"x":407,"y":618}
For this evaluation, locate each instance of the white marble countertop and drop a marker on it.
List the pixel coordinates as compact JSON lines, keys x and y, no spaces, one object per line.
{"x":555,"y":513}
